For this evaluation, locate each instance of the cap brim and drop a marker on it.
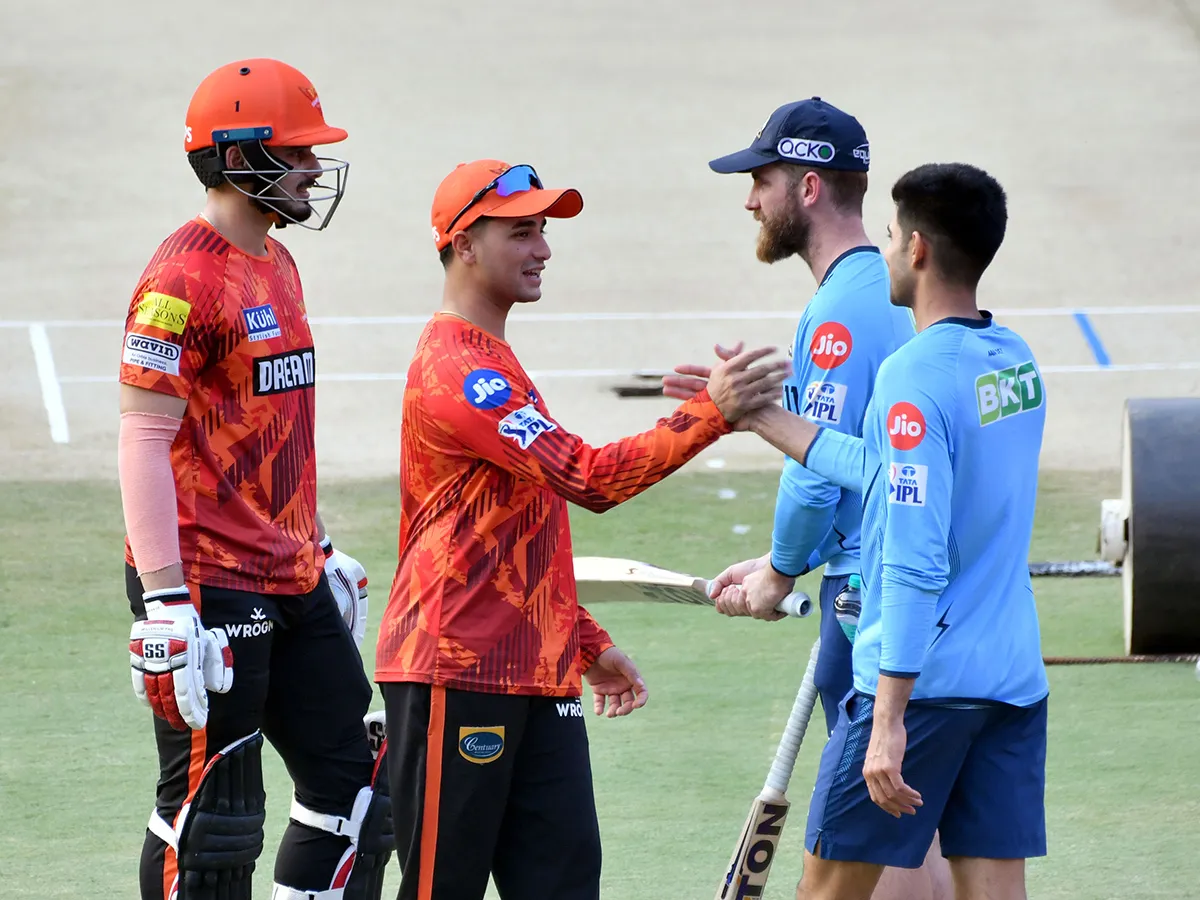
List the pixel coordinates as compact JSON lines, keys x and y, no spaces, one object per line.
{"x":743,"y":161}
{"x":311,"y":138}
{"x":561,"y":203}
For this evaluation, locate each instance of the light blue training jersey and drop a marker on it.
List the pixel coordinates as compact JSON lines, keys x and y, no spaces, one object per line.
{"x":948,"y":466}
{"x":847,"y":330}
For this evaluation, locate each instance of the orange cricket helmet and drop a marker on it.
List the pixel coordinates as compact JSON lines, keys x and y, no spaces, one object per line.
{"x":256,"y":104}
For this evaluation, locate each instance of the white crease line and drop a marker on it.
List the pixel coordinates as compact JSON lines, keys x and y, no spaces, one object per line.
{"x":673,"y":316}
{"x":51,"y":390}
{"x":536,"y":374}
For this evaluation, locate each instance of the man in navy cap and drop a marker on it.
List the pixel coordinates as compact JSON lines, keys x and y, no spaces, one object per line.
{"x":809,"y":166}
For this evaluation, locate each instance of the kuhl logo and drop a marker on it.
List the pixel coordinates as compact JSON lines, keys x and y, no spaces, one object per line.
{"x":1007,"y":392}
{"x":261,"y":324}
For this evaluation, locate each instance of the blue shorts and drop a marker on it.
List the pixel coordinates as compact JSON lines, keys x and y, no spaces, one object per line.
{"x":980,"y":770}
{"x":834,"y":677}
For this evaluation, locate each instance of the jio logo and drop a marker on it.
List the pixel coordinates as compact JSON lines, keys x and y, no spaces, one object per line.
{"x":486,"y":389}
{"x":831,"y":344}
{"x":905,"y":426}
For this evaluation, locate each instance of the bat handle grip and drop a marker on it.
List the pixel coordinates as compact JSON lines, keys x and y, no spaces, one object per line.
{"x":797,"y":724}
{"x":797,"y":604}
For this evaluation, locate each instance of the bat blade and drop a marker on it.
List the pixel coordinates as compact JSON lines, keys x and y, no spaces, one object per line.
{"x":746,"y":875}
{"x":601,"y":579}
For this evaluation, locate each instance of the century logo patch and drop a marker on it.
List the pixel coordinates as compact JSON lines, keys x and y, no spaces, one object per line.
{"x":481,"y":745}
{"x":163,"y":311}
{"x":285,"y":372}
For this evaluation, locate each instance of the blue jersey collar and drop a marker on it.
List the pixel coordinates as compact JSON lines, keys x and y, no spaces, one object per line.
{"x":866,"y":248}
{"x":985,"y":322}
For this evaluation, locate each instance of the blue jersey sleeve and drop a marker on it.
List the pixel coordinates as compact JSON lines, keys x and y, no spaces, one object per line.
{"x":830,"y":386}
{"x":916,"y":454}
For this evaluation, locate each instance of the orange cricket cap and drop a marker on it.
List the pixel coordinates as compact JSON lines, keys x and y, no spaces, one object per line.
{"x":489,"y":187}
{"x":260,"y":98}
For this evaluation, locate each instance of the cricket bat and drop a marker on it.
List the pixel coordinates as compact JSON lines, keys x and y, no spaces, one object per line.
{"x":604,"y":578}
{"x":746,"y":875}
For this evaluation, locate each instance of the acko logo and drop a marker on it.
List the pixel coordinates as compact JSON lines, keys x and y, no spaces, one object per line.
{"x":285,"y":372}
{"x":151,"y":353}
{"x":905,"y":426}
{"x":261,"y":324}
{"x":481,"y":745}
{"x":831,"y":345}
{"x":525,"y":425}
{"x":806,"y":151}
{"x":1007,"y":392}
{"x":907,"y":484}
{"x":823,"y":401}
{"x":486,"y":389}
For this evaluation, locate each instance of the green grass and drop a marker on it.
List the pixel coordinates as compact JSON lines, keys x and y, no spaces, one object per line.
{"x":77,"y":763}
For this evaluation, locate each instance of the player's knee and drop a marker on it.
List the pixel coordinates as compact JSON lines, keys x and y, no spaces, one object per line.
{"x":219,"y":836}
{"x":359,"y":872}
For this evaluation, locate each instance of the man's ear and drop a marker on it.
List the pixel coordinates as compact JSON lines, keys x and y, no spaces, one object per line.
{"x":464,"y":246}
{"x":919,"y":251}
{"x":234,"y":158}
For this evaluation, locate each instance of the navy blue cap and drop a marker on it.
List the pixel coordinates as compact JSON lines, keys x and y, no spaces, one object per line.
{"x":808,"y":133}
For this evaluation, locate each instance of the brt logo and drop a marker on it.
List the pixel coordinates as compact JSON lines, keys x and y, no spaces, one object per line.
{"x":1006,"y":392}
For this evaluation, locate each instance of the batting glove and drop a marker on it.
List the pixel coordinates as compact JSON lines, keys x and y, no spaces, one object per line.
{"x":175,"y":660}
{"x":348,"y":580}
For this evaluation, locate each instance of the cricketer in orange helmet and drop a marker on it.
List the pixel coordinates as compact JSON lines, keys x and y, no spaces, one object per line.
{"x":246,"y":620}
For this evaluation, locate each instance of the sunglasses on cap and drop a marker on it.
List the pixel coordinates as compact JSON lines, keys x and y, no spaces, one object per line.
{"x":512,"y":181}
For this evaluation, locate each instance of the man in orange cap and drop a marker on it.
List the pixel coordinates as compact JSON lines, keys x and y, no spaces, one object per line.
{"x":246,"y":619}
{"x":483,"y":646}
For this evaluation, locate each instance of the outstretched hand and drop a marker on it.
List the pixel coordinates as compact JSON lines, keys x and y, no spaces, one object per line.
{"x":736,"y":387}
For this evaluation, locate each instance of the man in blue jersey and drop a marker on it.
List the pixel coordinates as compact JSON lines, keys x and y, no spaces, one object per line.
{"x":946,"y":726}
{"x":809,"y":166}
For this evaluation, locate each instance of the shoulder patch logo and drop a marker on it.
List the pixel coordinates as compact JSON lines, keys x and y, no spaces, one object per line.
{"x":163,"y":311}
{"x":831,"y":345}
{"x":1005,"y":392}
{"x":486,"y":389}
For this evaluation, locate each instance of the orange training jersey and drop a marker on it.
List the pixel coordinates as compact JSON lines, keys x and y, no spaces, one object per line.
{"x":484,"y":595}
{"x":229,"y":332}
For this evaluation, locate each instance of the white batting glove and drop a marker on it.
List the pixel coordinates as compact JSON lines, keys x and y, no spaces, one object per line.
{"x":348,"y":579}
{"x":175,"y":660}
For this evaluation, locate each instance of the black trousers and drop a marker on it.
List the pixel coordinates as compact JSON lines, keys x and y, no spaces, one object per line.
{"x":298,"y":676}
{"x":491,"y":784}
